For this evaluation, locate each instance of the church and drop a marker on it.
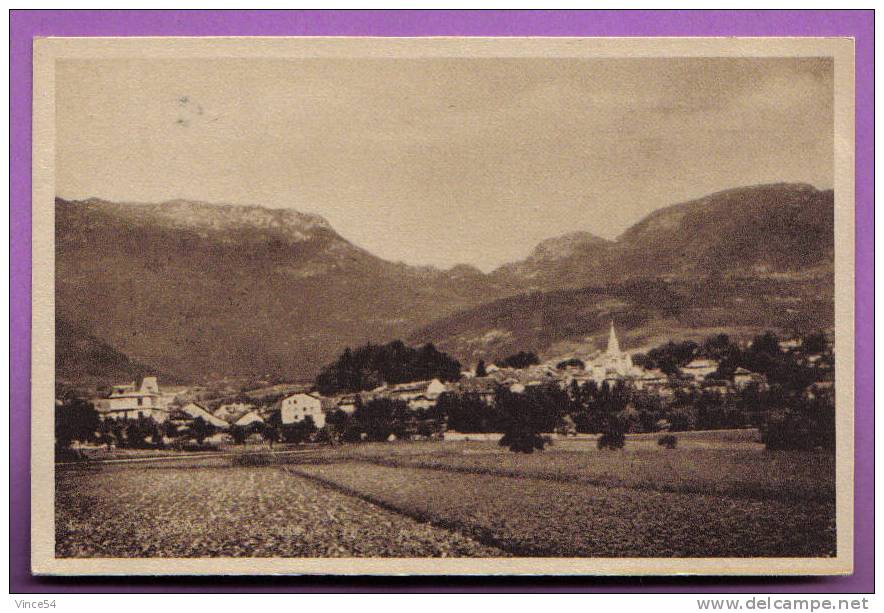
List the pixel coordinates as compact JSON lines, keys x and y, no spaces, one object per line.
{"x":613,"y":363}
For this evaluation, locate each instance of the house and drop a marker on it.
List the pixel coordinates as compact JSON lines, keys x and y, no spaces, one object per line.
{"x":743,"y":378}
{"x":232,"y":411}
{"x":347,"y":403}
{"x":298,"y":407}
{"x":484,"y":388}
{"x":191,"y":411}
{"x":699,"y":368}
{"x":790,"y":344}
{"x":249,"y":419}
{"x":651,"y":380}
{"x":429,"y":390}
{"x":421,"y":402}
{"x":716,"y":385}
{"x":820,"y":389}
{"x":129,"y":401}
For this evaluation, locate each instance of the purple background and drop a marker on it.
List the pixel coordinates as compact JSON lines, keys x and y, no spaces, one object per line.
{"x":25,"y":25}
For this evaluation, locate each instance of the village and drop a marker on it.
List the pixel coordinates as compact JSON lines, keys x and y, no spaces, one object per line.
{"x":653,"y":397}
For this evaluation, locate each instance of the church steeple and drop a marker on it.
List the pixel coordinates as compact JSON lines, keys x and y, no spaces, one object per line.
{"x":613,"y":343}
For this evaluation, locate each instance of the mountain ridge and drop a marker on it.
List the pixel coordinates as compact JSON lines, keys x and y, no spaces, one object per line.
{"x":211,"y":290}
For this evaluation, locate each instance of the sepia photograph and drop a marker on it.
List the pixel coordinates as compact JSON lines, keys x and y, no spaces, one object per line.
{"x":459,"y":306}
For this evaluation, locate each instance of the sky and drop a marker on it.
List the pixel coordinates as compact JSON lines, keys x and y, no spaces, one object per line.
{"x":443,"y":161}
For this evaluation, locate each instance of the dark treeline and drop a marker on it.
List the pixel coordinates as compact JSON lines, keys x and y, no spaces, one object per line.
{"x":791,"y":407}
{"x":588,"y":409}
{"x":763,"y":356}
{"x":370,"y":366}
{"x":522,"y":359}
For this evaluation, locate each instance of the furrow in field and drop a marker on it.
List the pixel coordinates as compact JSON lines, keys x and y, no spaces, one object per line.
{"x":532,"y":517}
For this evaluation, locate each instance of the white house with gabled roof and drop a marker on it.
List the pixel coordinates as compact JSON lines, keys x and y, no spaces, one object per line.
{"x":194,"y":411}
{"x":699,"y":368}
{"x":298,"y":407}
{"x":249,"y":419}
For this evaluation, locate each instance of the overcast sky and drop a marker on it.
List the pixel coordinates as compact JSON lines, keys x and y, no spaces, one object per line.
{"x":443,"y":161}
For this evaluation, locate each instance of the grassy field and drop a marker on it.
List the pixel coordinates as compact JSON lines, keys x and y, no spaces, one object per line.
{"x":739,"y":474}
{"x":533,"y":517}
{"x":242,"y":511}
{"x":717,"y":494}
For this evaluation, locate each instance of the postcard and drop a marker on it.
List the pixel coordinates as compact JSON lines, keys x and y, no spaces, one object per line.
{"x":443,"y":306}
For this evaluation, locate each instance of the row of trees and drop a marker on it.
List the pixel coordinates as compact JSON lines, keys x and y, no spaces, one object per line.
{"x":76,"y":420}
{"x":787,"y":422}
{"x":789,"y":418}
{"x":588,"y":409}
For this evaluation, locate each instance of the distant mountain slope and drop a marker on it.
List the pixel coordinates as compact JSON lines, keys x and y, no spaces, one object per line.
{"x":752,"y":230}
{"x":572,"y":260}
{"x":765,"y":229}
{"x":206,"y":290}
{"x":649,"y":311}
{"x":81,"y":358}
{"x":744,"y":259}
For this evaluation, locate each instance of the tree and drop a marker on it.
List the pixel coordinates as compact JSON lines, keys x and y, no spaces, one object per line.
{"x":156,"y":437}
{"x":716,"y":347}
{"x":106,"y":433}
{"x":767,"y":343}
{"x":681,"y":421}
{"x":809,"y":424}
{"x":334,"y":431}
{"x":647,"y":421}
{"x":523,"y":359}
{"x":571,"y":363}
{"x":239,"y":434}
{"x":115,"y":433}
{"x":785,"y":373}
{"x":814,"y":343}
{"x":142,"y":433}
{"x":169,"y":429}
{"x":75,"y":420}
{"x":466,"y":413}
{"x":404,"y":421}
{"x":611,"y":415}
{"x":613,"y":439}
{"x":376,"y":418}
{"x":524,"y":418}
{"x":270,"y":432}
{"x":670,"y":441}
{"x":672,"y":356}
{"x":481,"y":371}
{"x":299,"y":431}
{"x":200,"y":430}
